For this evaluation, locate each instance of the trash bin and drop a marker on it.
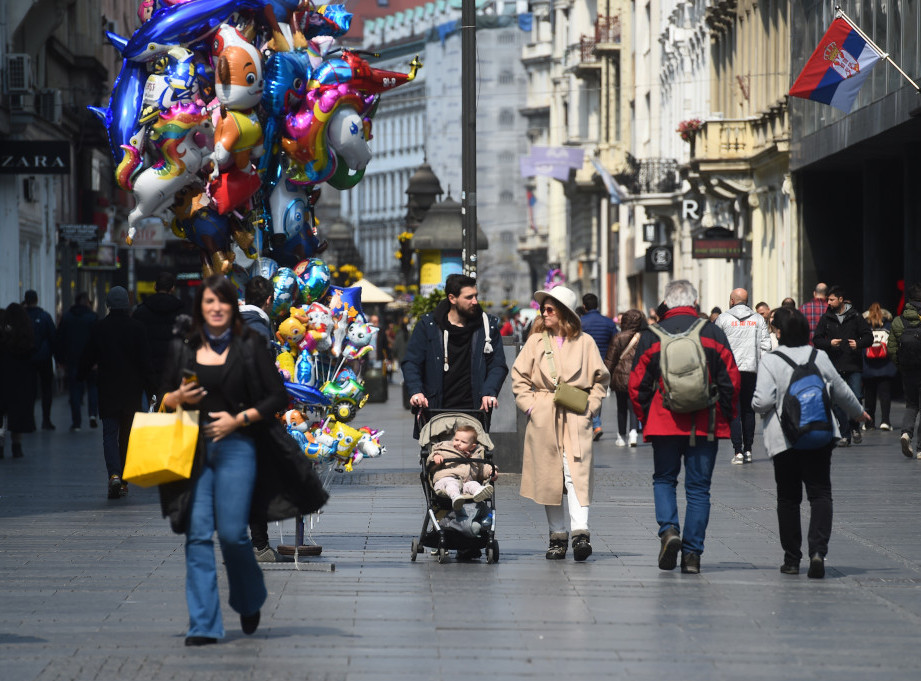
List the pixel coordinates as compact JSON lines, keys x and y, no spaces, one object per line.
{"x":375,"y":379}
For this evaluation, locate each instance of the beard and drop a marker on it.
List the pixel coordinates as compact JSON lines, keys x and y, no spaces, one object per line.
{"x":471,"y":313}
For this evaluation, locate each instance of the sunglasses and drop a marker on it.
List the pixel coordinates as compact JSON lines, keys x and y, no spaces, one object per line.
{"x":546,"y":309}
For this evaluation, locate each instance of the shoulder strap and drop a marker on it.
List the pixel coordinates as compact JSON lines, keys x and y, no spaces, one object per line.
{"x":633,"y":341}
{"x":786,"y":359}
{"x":548,"y":351}
{"x":487,"y":347}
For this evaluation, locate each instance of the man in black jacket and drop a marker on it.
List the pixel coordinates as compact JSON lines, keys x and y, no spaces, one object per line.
{"x":72,"y":337}
{"x":158,"y":314}
{"x":843,"y":333}
{"x":118,"y":348}
{"x":43,"y":326}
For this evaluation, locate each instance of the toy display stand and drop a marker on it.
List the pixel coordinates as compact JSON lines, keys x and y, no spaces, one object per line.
{"x":300,"y":549}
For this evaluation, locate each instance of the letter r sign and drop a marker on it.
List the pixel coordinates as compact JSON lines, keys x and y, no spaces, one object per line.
{"x":690,"y":209}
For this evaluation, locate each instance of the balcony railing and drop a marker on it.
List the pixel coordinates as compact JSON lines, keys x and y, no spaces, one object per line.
{"x":587,"y":50}
{"x":607,"y":29}
{"x":651,"y":176}
{"x":722,"y":140}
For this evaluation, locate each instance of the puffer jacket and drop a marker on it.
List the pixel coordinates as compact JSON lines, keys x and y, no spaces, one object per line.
{"x":910,"y":317}
{"x":748,"y":335}
{"x":880,"y":367}
{"x":457,"y":465}
{"x":618,"y":359}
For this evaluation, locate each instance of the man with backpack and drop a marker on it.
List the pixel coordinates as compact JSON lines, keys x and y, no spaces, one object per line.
{"x":749,"y":338}
{"x":904,"y":348}
{"x":684,"y":388}
{"x":843,"y":333}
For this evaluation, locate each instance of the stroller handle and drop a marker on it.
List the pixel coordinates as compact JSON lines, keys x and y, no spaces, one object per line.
{"x":425,"y":414}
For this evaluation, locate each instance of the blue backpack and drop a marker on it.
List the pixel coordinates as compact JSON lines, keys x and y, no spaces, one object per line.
{"x":806,"y":416}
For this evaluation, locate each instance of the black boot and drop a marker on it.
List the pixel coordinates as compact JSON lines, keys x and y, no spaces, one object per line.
{"x":558,"y":546}
{"x":581,"y":549}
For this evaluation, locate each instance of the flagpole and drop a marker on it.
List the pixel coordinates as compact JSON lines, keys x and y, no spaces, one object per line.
{"x":885,"y":55}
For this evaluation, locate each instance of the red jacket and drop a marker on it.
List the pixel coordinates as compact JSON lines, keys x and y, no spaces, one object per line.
{"x":645,"y":380}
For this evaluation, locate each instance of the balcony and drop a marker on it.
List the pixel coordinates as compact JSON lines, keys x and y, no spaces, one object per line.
{"x":607,"y":33}
{"x":536,"y":53}
{"x":582,"y":59}
{"x":650,"y":176}
{"x":724,"y":140}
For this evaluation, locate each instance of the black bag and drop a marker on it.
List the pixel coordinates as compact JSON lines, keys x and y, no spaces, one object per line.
{"x":806,"y":416}
{"x":909,"y":356}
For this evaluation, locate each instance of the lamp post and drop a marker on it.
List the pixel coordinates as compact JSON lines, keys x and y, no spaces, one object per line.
{"x":468,"y":137}
{"x":421,"y":193}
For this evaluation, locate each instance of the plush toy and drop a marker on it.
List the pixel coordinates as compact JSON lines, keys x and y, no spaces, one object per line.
{"x":360,"y":335}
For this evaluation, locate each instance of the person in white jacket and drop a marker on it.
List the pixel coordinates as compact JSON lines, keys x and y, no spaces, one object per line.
{"x":749,"y":337}
{"x":794,"y":468}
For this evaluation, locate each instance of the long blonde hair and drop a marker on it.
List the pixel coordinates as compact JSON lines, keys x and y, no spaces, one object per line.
{"x":570,"y":326}
{"x":875,"y":316}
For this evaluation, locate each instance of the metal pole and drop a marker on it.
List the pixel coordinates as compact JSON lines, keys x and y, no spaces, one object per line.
{"x":468,"y":136}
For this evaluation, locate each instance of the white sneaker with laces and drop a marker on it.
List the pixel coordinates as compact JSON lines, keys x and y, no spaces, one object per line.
{"x":631,"y":438}
{"x":885,"y":426}
{"x":738,"y":458}
{"x":748,"y":457}
{"x":619,"y":442}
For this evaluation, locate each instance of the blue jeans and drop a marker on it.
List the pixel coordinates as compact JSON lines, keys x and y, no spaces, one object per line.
{"x":596,"y":421}
{"x":854,"y":380}
{"x":221,"y":500}
{"x":698,"y":463}
{"x":76,"y":395}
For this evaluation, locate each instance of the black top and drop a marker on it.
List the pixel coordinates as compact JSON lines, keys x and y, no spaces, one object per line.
{"x":211,"y":377}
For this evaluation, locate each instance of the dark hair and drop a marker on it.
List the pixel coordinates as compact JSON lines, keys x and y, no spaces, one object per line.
{"x":914,"y":292}
{"x":760,"y":304}
{"x":83,"y":298}
{"x":788,"y":302}
{"x":17,"y":335}
{"x":590,"y":301}
{"x":837,"y":291}
{"x":226,"y":293}
{"x":166,"y":282}
{"x":257,"y":290}
{"x":31,"y":297}
{"x":793,"y":326}
{"x":716,"y":310}
{"x":455,"y":282}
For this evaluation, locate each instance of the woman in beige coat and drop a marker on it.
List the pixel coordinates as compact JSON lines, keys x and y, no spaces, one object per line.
{"x":558,"y":442}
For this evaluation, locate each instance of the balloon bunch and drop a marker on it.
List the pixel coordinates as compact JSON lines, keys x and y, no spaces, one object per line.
{"x":322,"y":340}
{"x":230,"y":113}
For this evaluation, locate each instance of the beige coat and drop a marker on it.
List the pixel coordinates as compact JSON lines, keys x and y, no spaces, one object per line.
{"x":552,"y":429}
{"x":464,"y":472}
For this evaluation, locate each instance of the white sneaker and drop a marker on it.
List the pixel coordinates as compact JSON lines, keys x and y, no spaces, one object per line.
{"x":885,"y":426}
{"x":631,"y":438}
{"x":619,"y":442}
{"x":905,"y":441}
{"x":738,"y":458}
{"x":748,"y":457}
{"x":919,"y":453}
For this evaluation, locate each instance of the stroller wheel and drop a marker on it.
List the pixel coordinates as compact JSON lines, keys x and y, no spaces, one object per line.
{"x":442,"y":555}
{"x":415,"y":550}
{"x":492,"y":552}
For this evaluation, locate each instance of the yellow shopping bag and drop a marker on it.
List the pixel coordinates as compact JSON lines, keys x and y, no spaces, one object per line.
{"x":161,"y":447}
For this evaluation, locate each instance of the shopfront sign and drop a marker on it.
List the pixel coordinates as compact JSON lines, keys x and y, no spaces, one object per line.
{"x":730,"y":249}
{"x":659,"y":259}
{"x":18,"y":157}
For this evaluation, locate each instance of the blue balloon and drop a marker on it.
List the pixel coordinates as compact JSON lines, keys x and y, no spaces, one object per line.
{"x":121,"y":116}
{"x":305,"y":371}
{"x":350,"y":297}
{"x":266,"y":267}
{"x":285,"y":292}
{"x":307,"y":395}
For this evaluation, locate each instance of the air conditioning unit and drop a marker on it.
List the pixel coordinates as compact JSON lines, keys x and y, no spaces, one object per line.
{"x":18,"y":69}
{"x":21,"y":102}
{"x":48,"y":105}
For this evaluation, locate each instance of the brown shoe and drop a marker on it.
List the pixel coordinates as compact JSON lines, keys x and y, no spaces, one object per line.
{"x":558,"y":546}
{"x":668,"y":553}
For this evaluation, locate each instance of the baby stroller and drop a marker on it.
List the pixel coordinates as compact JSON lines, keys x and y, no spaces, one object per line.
{"x":443,"y":529}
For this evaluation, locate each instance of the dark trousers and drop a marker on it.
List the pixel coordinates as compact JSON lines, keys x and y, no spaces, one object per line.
{"x":624,"y":413}
{"x":77,"y":389}
{"x":874,"y":388}
{"x":45,"y":375}
{"x":793,"y":469}
{"x":115,"y":433}
{"x":911,"y":383}
{"x":854,"y":380}
{"x":742,"y":427}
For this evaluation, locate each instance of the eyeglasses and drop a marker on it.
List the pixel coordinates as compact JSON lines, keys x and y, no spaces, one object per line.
{"x":546,"y":309}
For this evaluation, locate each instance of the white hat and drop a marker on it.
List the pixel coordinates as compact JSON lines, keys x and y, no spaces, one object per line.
{"x":564,"y":296}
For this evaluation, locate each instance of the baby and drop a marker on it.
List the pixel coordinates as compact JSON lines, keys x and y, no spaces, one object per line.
{"x":462,"y":481}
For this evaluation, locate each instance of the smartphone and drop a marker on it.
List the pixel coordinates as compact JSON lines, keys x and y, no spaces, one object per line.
{"x":189,"y":376}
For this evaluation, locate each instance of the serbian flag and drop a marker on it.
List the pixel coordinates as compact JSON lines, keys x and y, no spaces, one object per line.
{"x":838,"y":67}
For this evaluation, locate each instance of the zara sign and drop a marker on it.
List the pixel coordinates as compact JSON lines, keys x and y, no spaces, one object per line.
{"x":19,"y":157}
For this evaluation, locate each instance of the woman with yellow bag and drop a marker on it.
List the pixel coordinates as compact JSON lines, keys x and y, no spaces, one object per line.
{"x":221,"y":369}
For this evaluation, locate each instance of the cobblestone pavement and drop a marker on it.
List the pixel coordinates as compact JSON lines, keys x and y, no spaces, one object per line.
{"x":93,"y":589}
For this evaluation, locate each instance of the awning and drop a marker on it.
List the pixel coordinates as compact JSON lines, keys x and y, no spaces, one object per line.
{"x":371,"y":293}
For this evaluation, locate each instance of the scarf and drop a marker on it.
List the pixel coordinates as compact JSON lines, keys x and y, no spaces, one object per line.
{"x":218,"y":343}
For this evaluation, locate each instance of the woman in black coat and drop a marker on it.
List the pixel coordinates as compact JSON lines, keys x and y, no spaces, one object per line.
{"x":222,"y":370}
{"x":17,"y":389}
